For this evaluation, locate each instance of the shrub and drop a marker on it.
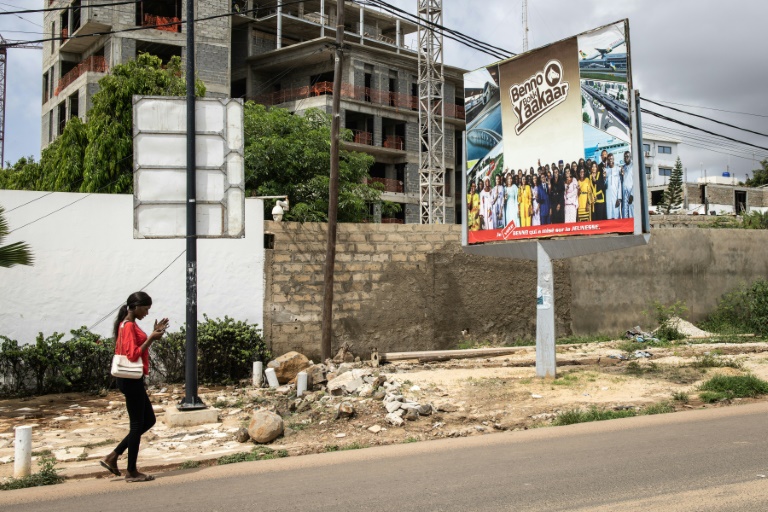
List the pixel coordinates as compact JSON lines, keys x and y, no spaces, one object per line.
{"x":736,"y":386}
{"x":592,"y":414}
{"x":226,"y":351}
{"x":663,"y":314}
{"x":48,"y":475}
{"x":744,"y":309}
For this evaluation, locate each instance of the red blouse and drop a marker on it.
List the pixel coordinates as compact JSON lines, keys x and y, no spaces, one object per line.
{"x":129,"y":341}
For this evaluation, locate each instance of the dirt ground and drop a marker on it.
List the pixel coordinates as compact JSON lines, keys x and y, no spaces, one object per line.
{"x":468,"y":397}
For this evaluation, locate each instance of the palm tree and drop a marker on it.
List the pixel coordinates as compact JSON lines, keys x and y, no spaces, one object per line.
{"x":14,"y":254}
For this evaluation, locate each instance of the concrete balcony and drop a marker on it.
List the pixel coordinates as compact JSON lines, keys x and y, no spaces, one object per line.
{"x":80,"y":35}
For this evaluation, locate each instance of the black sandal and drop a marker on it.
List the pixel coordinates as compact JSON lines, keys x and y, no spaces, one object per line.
{"x":111,"y":469}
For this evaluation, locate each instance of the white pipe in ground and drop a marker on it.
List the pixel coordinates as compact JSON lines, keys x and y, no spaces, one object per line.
{"x":272,"y":378}
{"x":258,"y":374}
{"x":22,"y":466}
{"x":301,"y":383}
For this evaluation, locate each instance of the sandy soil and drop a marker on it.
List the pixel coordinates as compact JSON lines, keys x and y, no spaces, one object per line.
{"x":473,"y":397}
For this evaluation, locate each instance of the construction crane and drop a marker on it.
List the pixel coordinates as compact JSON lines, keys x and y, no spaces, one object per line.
{"x":4,"y":45}
{"x":432,"y":208}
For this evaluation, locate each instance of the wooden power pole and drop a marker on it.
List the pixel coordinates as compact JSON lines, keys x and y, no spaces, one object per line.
{"x":333,"y":188}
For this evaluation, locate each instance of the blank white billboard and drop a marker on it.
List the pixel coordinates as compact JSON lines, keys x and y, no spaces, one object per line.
{"x":160,"y":167}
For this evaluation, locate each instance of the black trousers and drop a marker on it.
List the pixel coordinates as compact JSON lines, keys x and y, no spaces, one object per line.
{"x":141,"y":415}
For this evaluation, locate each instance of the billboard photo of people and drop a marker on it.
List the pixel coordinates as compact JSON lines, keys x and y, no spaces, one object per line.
{"x":560,"y":162}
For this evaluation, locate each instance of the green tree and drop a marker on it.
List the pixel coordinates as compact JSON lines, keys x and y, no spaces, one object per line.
{"x":17,"y":253}
{"x":759,"y":176}
{"x":287,"y":154}
{"x":673,"y":195}
{"x":97,"y":156}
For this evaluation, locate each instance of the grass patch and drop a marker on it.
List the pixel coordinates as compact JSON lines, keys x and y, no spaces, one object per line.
{"x":258,"y":453}
{"x":575,"y":340}
{"x":48,"y":475}
{"x":734,"y":386}
{"x":411,"y":440}
{"x":712,"y":361}
{"x":710,"y":397}
{"x":681,"y":396}
{"x":566,"y":380}
{"x":354,"y":446}
{"x":42,"y":453}
{"x":331,"y":448}
{"x":190,"y":464}
{"x":660,"y":408}
{"x":106,"y":442}
{"x":592,"y":414}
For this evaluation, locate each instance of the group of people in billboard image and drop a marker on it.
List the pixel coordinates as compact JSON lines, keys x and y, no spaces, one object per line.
{"x":582,"y":191}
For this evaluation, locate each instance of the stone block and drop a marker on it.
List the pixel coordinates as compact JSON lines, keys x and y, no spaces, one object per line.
{"x":177,"y":418}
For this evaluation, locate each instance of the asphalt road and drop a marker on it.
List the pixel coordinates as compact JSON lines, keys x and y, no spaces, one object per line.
{"x":703,"y":460}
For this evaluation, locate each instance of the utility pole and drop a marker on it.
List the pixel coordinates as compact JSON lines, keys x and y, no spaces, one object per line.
{"x":191,"y":400}
{"x":333,"y":188}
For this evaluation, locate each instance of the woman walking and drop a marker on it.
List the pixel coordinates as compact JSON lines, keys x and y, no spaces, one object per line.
{"x":133,"y":343}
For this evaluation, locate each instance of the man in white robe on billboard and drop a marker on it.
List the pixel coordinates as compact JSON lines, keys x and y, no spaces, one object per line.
{"x":613,"y":189}
{"x":627,"y":211}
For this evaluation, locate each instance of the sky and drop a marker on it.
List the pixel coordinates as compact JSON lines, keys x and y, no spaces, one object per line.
{"x":700,"y":53}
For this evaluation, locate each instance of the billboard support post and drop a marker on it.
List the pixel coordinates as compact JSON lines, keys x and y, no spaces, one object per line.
{"x":546,"y":365}
{"x":191,"y":401}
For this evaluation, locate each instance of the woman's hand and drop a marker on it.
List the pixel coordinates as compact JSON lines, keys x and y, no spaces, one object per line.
{"x":160,"y":328}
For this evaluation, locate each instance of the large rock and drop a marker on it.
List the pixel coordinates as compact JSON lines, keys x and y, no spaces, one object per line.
{"x":288,"y":366}
{"x":348,"y":382}
{"x":265,"y":426}
{"x":315,"y":375}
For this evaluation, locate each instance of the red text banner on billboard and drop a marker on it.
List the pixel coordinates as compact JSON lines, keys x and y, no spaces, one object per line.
{"x":549,"y":142}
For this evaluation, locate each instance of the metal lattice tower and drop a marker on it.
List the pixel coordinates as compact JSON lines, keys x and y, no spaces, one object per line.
{"x":431,"y":114}
{"x":525,"y":25}
{"x":4,"y":45}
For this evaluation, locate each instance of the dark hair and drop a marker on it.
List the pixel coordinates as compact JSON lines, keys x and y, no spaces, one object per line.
{"x":134,"y":299}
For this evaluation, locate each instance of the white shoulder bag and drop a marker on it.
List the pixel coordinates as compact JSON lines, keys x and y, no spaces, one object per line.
{"x":122,"y":367}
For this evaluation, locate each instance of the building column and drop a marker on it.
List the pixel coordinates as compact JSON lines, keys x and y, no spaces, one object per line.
{"x":279,"y":25}
{"x":322,"y":18}
{"x":377,"y":131}
{"x":362,"y":24}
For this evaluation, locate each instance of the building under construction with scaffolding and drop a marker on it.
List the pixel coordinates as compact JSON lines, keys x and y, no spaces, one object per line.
{"x":283,"y":56}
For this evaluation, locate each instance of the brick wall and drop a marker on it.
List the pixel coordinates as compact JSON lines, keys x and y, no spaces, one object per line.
{"x":397,"y":287}
{"x":411,"y":287}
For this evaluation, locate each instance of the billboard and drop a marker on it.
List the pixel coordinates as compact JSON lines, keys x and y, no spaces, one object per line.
{"x":160,"y":167}
{"x":549,"y":142}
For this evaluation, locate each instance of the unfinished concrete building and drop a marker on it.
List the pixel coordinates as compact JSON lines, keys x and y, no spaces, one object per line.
{"x":73,"y":65}
{"x":279,"y":56}
{"x":283,"y":56}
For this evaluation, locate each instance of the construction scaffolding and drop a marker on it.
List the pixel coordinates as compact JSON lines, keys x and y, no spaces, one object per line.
{"x":431,"y":113}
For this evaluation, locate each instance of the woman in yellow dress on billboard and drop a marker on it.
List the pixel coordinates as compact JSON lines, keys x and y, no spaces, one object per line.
{"x":473,"y":208}
{"x":524,"y":198}
{"x":586,"y":196}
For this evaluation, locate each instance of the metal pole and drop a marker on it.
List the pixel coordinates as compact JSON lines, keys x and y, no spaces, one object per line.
{"x":546,"y":365}
{"x":191,"y":400}
{"x":646,"y":220}
{"x":333,"y":190}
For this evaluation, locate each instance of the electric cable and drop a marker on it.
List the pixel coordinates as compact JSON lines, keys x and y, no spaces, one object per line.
{"x":672,"y":120}
{"x":704,"y":117}
{"x":142,"y":289}
{"x":66,"y":7}
{"x":712,"y":108}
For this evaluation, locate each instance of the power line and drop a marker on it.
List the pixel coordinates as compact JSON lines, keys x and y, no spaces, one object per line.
{"x":5,"y":11}
{"x":66,"y":8}
{"x":672,"y":120}
{"x":142,"y":288}
{"x":712,"y":108}
{"x":476,"y":44}
{"x":704,"y":117}
{"x":148,"y":27}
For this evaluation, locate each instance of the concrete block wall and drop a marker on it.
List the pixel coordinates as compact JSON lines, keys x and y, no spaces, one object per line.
{"x":411,"y":287}
{"x":397,"y":287}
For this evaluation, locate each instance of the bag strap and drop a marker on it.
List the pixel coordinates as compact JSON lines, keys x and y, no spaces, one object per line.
{"x":120,"y":339}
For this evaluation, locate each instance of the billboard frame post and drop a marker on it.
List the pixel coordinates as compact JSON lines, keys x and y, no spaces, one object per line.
{"x":546,"y":364}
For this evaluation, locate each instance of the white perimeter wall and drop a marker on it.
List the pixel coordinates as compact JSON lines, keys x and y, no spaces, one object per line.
{"x":87,"y":263}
